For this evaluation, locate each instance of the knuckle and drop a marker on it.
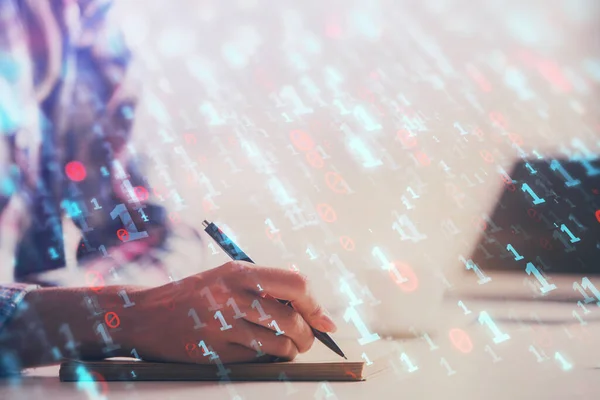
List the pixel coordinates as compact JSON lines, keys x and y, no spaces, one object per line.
{"x":302,"y":282}
{"x":288,"y":348}
{"x":317,"y":311}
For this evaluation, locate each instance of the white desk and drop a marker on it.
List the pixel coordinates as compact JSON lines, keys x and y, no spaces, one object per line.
{"x":517,"y":376}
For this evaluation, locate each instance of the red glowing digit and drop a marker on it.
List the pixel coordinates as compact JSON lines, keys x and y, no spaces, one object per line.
{"x":598,"y":215}
{"x":274,"y":236}
{"x":545,"y":243}
{"x":516,"y":139}
{"x":112,"y":320}
{"x":487,"y":156}
{"x":189,"y":137}
{"x":174,"y":217}
{"x":326,"y":212}
{"x":423,"y":158}
{"x":406,"y":138}
{"x":141,"y":193}
{"x":75,"y":171}
{"x":403,"y":276}
{"x":94,"y":280}
{"x":461,"y":340}
{"x":336,"y":182}
{"x":314,"y":159}
{"x":498,"y":119}
{"x":347,"y":243}
{"x":123,"y":235}
{"x":480,"y":223}
{"x":302,"y":140}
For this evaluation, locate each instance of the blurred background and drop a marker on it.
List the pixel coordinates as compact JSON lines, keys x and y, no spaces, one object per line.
{"x":364,"y":143}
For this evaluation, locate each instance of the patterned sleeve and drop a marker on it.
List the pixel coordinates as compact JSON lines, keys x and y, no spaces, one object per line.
{"x":18,"y":126}
{"x":127,"y":234}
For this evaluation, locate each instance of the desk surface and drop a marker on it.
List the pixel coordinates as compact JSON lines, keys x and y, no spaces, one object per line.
{"x":470,"y":373}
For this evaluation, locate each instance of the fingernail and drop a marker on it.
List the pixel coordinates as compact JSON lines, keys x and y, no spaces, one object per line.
{"x":327,"y":324}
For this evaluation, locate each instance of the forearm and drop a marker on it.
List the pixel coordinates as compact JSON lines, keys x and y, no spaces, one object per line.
{"x":55,"y":323}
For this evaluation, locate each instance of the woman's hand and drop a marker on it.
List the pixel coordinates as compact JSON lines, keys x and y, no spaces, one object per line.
{"x":224,"y":312}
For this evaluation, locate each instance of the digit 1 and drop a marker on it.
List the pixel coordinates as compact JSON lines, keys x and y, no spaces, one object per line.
{"x":289,"y":388}
{"x":462,"y":305}
{"x":384,"y":261}
{"x":110,"y":346}
{"x":444,"y":363}
{"x":341,"y":106}
{"x":367,"y":337}
{"x":71,"y":344}
{"x":325,"y":387}
{"x":366,"y":358}
{"x":585,"y":310}
{"x":224,"y":326}
{"x":231,"y":303}
{"x":586,"y":284}
{"x":310,"y":253}
{"x":545,"y":288}
{"x":207,"y":352}
{"x":570,"y":182}
{"x":412,"y":192}
{"x":120,"y":211}
{"x":564,"y":364}
{"x":535,"y":352}
{"x":482,"y":278}
{"x":273,"y":324}
{"x":530,"y":168}
{"x":103,"y":250}
{"x":346,"y":289}
{"x":213,"y":304}
{"x":361,"y":114}
{"x":510,"y":248}
{"x":52,"y":253}
{"x":489,"y":350}
{"x":409,"y":364}
{"x":566,"y":230}
{"x":581,"y":321}
{"x":258,"y":307}
{"x":256,"y":345}
{"x":536,"y":200}
{"x":587,"y":299}
{"x":95,"y":203}
{"x":197,"y":323}
{"x":128,"y":303}
{"x":432,"y":346}
{"x":135,"y":354}
{"x":271,"y":225}
{"x":499,"y":337}
{"x":213,"y":248}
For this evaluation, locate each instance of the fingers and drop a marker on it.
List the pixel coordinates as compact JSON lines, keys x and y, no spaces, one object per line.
{"x":279,"y":318}
{"x":263,"y":341}
{"x":287,"y":285}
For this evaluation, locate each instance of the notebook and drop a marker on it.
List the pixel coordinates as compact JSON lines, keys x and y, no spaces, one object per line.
{"x":319,"y":364}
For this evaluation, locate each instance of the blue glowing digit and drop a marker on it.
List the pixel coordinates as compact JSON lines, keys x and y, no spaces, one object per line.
{"x":411,"y":367}
{"x":566,"y":230}
{"x":569,"y":181}
{"x":485,"y":319}
{"x":545,"y":288}
{"x":363,"y":116}
{"x":587,"y":284}
{"x":563,"y":363}
{"x":536,"y":199}
{"x":351,"y":315}
{"x":510,"y":248}
{"x":120,"y":211}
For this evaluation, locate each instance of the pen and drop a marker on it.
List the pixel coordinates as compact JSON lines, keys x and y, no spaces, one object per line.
{"x":236,"y":253}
